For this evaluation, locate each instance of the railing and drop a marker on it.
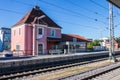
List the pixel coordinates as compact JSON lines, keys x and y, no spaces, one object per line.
{"x":18,"y":53}
{"x":46,"y":52}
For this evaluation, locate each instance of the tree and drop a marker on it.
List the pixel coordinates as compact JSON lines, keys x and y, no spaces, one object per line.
{"x":118,"y":39}
{"x":96,"y":43}
{"x":89,"y":45}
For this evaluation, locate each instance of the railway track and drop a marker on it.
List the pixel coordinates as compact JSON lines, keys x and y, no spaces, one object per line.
{"x":33,"y":72}
{"x":103,"y":73}
{"x":38,"y":71}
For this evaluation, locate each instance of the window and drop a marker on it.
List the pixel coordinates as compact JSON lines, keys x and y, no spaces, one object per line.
{"x":74,"y":40}
{"x":40,"y":31}
{"x":14,"y":32}
{"x":17,"y":47}
{"x":52,"y":32}
{"x":19,"y":31}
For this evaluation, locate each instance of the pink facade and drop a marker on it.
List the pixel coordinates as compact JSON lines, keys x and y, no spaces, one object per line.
{"x":28,"y":39}
{"x":17,"y":38}
{"x":37,"y":34}
{"x":30,"y":34}
{"x":57,"y":32}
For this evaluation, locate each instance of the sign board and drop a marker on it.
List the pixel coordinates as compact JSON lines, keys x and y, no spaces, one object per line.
{"x":67,"y":43}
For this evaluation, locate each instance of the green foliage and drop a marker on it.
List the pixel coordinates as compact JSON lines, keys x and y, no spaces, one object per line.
{"x":89,"y":45}
{"x":94,"y":43}
{"x":118,"y":39}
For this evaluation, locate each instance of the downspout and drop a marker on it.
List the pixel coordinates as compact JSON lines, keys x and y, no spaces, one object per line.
{"x":34,"y":39}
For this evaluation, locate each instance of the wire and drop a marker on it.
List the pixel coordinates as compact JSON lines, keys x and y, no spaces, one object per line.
{"x":23,"y":3}
{"x":77,"y":24}
{"x":74,"y":14}
{"x":71,"y":2}
{"x":98,"y":4}
{"x":56,"y":20}
{"x":6,"y":10}
{"x":77,"y":13}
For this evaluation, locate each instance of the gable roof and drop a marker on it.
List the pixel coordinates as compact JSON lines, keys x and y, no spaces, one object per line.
{"x":69,"y":37}
{"x":31,"y":18}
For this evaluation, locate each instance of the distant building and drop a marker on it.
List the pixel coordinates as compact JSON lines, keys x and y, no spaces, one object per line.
{"x":75,"y":43}
{"x":105,"y":42}
{"x":5,"y":38}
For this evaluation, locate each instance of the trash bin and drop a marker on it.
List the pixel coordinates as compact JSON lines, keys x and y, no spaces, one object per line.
{"x":8,"y":55}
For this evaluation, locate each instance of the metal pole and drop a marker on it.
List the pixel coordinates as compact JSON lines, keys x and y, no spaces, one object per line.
{"x":68,"y":48}
{"x":111,"y":50}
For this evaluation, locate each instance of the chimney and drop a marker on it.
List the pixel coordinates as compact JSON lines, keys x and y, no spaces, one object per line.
{"x":37,"y":7}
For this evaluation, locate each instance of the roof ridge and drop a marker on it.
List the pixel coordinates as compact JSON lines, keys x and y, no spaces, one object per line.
{"x":30,"y":18}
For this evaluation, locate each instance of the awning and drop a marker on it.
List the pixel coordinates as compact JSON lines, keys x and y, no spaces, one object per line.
{"x":115,"y":2}
{"x":53,"y":39}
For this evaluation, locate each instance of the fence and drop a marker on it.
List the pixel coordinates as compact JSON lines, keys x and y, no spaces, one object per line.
{"x":44,"y":52}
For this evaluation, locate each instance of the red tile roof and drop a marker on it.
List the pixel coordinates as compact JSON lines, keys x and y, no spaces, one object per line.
{"x":32,"y":15}
{"x":69,"y":37}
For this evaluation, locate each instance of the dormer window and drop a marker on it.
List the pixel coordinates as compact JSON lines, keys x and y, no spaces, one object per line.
{"x":52,"y":32}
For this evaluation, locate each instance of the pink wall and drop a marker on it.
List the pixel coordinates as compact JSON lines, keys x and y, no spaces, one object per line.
{"x":43,"y":40}
{"x":24,"y":39}
{"x":28,"y":40}
{"x":17,"y":39}
{"x":58,"y":32}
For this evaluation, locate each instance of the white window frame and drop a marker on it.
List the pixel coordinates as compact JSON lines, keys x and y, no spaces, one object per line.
{"x":42,"y":30}
{"x":16,"y":46}
{"x":14,"y":32}
{"x":19,"y":31}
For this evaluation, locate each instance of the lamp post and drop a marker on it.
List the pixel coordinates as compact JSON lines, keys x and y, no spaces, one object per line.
{"x":68,"y":45}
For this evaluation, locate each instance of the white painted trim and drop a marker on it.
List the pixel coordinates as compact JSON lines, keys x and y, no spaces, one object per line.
{"x":36,"y":25}
{"x":37,"y":47}
{"x":47,"y":26}
{"x":54,"y":28}
{"x":38,"y":32}
{"x":19,"y":26}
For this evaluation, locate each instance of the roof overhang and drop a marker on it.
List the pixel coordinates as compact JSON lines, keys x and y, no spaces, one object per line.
{"x":115,"y":2}
{"x":53,"y":39}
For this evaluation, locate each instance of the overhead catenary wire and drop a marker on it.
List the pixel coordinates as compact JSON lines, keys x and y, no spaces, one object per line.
{"x":23,"y":3}
{"x":98,"y":4}
{"x":86,"y":26}
{"x":74,"y":12}
{"x":15,"y":12}
{"x":11,"y":11}
{"x":84,"y":8}
{"x":75,"y":15}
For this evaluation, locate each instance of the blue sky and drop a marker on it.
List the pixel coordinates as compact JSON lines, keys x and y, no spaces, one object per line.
{"x":88,"y":18}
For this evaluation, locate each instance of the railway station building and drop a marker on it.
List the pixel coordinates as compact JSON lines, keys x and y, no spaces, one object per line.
{"x":37,"y":34}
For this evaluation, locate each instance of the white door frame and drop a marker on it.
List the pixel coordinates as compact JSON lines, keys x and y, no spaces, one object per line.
{"x":42,"y":46}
